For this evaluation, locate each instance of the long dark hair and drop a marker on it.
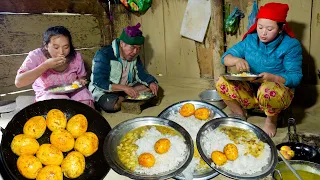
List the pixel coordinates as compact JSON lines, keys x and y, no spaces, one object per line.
{"x":55,"y":31}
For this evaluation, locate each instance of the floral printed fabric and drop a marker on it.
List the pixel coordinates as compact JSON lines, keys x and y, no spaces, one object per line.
{"x":270,"y":97}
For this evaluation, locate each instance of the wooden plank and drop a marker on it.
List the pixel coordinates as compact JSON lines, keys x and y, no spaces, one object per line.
{"x":13,"y":63}
{"x":218,"y":46}
{"x":154,"y":46}
{"x":205,"y":50}
{"x":23,"y":33}
{"x":314,"y":40}
{"x":8,"y":74}
{"x":181,"y":53}
{"x":246,"y":7}
{"x":120,"y":19}
{"x":47,"y":6}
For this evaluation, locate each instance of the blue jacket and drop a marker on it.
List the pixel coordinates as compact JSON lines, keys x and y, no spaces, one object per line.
{"x":282,"y":56}
{"x":107,"y":70}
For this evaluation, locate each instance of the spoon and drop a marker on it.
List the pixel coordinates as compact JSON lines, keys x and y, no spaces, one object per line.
{"x":289,"y":166}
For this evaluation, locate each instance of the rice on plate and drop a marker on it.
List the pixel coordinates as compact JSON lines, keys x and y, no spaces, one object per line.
{"x":192,"y":122}
{"x":252,"y":155}
{"x":152,"y":150}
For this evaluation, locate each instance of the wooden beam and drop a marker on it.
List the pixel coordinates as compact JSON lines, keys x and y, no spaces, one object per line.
{"x":218,"y":37}
{"x":49,"y":6}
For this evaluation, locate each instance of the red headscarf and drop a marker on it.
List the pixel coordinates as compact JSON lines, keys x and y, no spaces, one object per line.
{"x":273,"y":11}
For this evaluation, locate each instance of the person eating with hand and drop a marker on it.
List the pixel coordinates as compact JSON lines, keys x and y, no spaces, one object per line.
{"x":55,"y":63}
{"x":268,"y":49}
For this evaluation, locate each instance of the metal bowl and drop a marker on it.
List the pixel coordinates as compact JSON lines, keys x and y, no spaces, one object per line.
{"x":228,"y":121}
{"x":215,"y":111}
{"x":212,"y":97}
{"x":115,"y":135}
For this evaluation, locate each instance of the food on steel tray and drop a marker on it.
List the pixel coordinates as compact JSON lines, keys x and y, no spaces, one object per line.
{"x":231,"y":151}
{"x":142,"y":96}
{"x":187,"y":110}
{"x":202,"y":113}
{"x":192,"y":124}
{"x":73,"y":165}
{"x":87,"y":144}
{"x":49,"y":155}
{"x":62,"y":139}
{"x":152,"y":149}
{"x":287,"y":152}
{"x":56,"y":119}
{"x":162,"y":146}
{"x":240,"y":146}
{"x":35,"y":127}
{"x":146,"y":160}
{"x":243,"y":74}
{"x":74,"y":85}
{"x":50,"y":172}
{"x":29,"y":166}
{"x":77,"y":125}
{"x":219,"y":158}
{"x":24,"y":145}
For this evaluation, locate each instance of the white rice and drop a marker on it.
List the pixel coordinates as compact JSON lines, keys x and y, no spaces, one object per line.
{"x":215,"y":140}
{"x":192,"y":125}
{"x":164,"y":162}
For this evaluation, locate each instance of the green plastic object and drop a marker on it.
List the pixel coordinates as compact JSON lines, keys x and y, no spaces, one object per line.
{"x":231,"y":24}
{"x":140,"y":6}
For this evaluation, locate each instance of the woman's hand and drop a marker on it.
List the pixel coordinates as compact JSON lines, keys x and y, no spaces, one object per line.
{"x":55,"y":62}
{"x":154,"y":88}
{"x":268,"y":77}
{"x":131,"y":92}
{"x":242,"y":65}
{"x":82,"y":81}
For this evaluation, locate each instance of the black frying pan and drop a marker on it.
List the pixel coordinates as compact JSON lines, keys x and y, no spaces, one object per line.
{"x":302,"y":151}
{"x":96,"y":165}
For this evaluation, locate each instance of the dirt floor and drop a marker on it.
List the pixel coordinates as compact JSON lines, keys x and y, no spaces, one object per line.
{"x":307,"y":119}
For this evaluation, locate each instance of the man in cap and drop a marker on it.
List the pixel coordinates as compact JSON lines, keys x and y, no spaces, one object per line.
{"x":117,"y":71}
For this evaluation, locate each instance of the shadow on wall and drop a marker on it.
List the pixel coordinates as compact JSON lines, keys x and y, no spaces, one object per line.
{"x":306,"y":93}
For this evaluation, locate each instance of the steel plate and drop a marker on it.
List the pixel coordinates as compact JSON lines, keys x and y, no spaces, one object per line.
{"x":215,"y":111}
{"x":228,"y":121}
{"x":116,"y":134}
{"x":240,"y":78}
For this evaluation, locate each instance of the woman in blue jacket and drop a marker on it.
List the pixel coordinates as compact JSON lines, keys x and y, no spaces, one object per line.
{"x":270,"y":50}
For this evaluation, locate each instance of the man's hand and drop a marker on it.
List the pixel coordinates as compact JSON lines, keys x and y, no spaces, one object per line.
{"x":131,"y":92}
{"x":154,"y":88}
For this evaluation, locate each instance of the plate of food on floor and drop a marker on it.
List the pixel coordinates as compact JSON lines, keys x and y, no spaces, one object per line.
{"x":191,"y":115}
{"x":142,"y":96}
{"x":148,"y":148}
{"x":237,"y":149}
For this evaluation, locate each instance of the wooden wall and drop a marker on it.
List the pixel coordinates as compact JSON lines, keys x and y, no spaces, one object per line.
{"x":21,"y":33}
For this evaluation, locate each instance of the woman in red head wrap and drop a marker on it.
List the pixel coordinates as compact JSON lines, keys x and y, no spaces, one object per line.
{"x":270,"y":50}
